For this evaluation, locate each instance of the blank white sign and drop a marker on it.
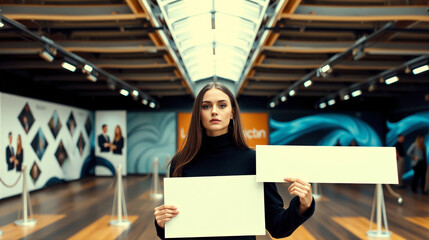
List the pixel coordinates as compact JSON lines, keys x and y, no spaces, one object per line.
{"x":321,"y":164}
{"x":215,"y":206}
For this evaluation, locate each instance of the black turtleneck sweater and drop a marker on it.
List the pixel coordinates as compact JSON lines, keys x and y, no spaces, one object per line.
{"x":219,"y":156}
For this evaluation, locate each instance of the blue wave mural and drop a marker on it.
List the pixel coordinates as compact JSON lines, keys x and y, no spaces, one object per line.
{"x":150,"y":135}
{"x":416,"y":122}
{"x":340,"y":127}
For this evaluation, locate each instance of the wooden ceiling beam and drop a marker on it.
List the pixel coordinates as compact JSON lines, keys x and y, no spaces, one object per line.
{"x":288,"y":7}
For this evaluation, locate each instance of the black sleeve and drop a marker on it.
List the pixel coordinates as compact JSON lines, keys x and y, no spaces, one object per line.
{"x":8,"y":156}
{"x":100,"y":142}
{"x":120,"y":144}
{"x":282,"y":222}
{"x":159,"y":230}
{"x":19,"y":157}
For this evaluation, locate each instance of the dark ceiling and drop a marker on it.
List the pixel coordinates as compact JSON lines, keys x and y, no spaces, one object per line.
{"x":119,"y":37}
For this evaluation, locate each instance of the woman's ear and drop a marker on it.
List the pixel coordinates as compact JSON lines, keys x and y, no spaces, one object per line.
{"x":232,"y":113}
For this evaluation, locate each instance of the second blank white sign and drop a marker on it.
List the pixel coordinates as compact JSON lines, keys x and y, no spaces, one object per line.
{"x":322,"y":164}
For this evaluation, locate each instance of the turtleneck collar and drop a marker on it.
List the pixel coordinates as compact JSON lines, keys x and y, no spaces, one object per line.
{"x":217,"y":143}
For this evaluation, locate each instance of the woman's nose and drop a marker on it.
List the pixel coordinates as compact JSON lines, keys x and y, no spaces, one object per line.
{"x":214,"y":111}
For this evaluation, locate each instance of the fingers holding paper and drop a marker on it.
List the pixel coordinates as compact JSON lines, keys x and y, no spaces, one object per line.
{"x":164,"y":213}
{"x":301,"y":189}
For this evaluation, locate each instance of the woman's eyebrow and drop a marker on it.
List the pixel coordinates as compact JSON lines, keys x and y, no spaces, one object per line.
{"x":206,"y":101}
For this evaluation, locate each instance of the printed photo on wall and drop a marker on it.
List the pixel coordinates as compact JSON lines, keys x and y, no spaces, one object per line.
{"x":35,"y":172}
{"x":39,"y":143}
{"x":55,"y":124}
{"x":88,"y":126}
{"x":71,"y":123}
{"x":14,"y":156}
{"x":26,"y":118}
{"x":118,"y":141}
{"x":81,"y":144}
{"x":61,"y":154}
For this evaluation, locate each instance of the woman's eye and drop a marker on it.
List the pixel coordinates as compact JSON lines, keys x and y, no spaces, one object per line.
{"x":223,"y":105}
{"x":206,"y":106}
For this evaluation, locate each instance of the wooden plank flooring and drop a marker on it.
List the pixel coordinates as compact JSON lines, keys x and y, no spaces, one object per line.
{"x":359,"y":226}
{"x":101,"y":229}
{"x":72,"y":208}
{"x":12,"y":231}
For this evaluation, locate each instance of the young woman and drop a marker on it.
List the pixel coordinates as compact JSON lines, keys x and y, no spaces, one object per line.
{"x":417,"y":152}
{"x":118,"y":141}
{"x":19,"y":154}
{"x":216,"y":146}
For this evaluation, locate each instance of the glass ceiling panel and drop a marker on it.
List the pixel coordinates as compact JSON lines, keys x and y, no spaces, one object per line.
{"x":213,"y":37}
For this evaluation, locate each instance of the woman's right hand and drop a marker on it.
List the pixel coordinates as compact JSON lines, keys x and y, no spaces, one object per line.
{"x":164,"y":213}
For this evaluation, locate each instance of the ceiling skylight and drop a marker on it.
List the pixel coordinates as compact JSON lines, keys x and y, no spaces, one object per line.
{"x":214,"y":37}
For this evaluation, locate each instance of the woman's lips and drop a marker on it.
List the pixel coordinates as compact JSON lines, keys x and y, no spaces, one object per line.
{"x":215,"y":121}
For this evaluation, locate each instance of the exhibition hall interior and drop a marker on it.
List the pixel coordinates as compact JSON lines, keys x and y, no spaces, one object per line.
{"x":96,"y":97}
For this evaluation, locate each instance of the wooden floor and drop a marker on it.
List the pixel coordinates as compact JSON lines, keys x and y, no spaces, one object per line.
{"x":81,"y":210}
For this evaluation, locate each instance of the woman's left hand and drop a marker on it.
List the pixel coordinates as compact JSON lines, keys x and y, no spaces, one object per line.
{"x":303,"y":190}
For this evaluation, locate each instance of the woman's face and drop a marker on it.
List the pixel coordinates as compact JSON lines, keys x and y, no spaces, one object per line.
{"x":117,"y":129}
{"x":216,"y":112}
{"x":19,"y":139}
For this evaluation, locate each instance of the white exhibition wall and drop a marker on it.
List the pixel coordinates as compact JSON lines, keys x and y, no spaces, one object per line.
{"x":110,"y":153}
{"x":56,"y":141}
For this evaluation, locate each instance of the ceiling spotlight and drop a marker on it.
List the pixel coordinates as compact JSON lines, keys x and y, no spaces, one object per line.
{"x":325,"y":68}
{"x":407,"y":70}
{"x":346,"y":97}
{"x":322,"y":105}
{"x":135,"y":93}
{"x":371,"y":87}
{"x":91,"y":78}
{"x":292,"y":92}
{"x":152,"y":105}
{"x":111,"y":84}
{"x":144,"y":101}
{"x":45,"y":54}
{"x":272,"y":104}
{"x":391,"y":80}
{"x":124,"y":92}
{"x":283,"y":98}
{"x":420,"y":69}
{"x":68,"y":65}
{"x":1,"y":23}
{"x":358,"y":53}
{"x":308,"y":83}
{"x":331,"y":102}
{"x":356,"y":93}
{"x":88,"y":68}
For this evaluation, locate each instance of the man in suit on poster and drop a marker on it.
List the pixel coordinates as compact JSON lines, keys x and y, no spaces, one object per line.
{"x":10,"y":154}
{"x":103,"y":140}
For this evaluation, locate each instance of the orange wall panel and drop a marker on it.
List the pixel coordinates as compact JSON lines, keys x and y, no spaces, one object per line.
{"x":255,"y":125}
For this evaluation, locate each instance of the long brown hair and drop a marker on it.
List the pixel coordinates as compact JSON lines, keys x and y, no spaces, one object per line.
{"x":118,"y":136}
{"x":19,"y":143}
{"x":195,"y":133}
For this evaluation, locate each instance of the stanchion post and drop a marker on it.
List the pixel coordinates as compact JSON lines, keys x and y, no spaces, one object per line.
{"x":155,"y":191}
{"x":317,"y":194}
{"x":378,"y":202}
{"x":25,"y":221}
{"x":167,"y":166}
{"x":120,"y":196}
